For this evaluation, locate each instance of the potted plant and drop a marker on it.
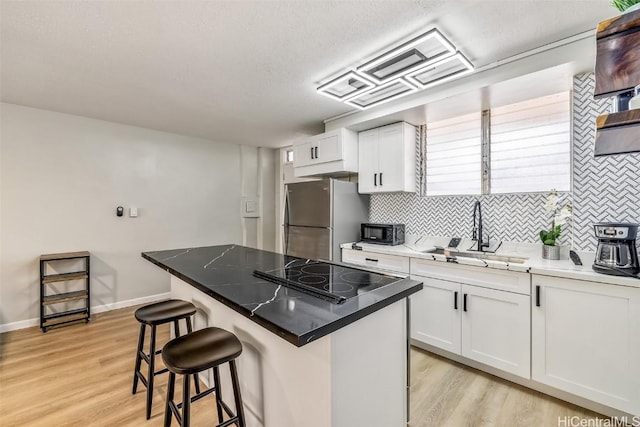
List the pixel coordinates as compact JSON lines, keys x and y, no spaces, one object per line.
{"x":626,"y":5}
{"x":559,"y":217}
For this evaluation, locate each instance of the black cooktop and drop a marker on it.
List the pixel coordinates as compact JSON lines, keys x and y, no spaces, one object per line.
{"x":333,"y":282}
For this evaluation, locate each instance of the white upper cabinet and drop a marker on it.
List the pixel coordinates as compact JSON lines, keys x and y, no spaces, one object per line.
{"x":387,"y":159}
{"x":330,"y":153}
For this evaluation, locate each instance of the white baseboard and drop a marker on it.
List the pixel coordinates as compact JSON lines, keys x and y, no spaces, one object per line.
{"x":13,"y":326}
{"x":129,"y":303}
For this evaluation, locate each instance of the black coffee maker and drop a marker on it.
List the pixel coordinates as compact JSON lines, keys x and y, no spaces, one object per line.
{"x":616,"y":253}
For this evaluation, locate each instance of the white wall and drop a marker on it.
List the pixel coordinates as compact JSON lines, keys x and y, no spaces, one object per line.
{"x":61,"y":179}
{"x":268,"y":168}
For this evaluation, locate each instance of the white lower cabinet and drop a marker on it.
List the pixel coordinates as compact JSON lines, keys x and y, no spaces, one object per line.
{"x":435,"y":314}
{"x":495,"y":329}
{"x":566,"y":335}
{"x":487,"y":325}
{"x":586,"y":340}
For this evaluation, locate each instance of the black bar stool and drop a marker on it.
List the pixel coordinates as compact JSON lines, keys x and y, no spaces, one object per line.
{"x":194,"y":353}
{"x":154,"y":315}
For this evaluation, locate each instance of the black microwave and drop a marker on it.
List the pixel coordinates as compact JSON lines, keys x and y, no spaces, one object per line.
{"x":383,"y":234}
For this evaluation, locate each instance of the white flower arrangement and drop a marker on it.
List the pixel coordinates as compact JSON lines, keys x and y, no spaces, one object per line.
{"x":560,"y":218}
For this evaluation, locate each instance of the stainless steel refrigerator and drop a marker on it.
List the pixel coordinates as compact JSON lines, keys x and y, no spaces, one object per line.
{"x":321,"y":215}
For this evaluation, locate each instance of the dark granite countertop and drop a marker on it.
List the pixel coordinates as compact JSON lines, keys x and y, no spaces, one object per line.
{"x":226,"y":274}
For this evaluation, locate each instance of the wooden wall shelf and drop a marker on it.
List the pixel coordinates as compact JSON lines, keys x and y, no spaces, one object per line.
{"x":618,"y":55}
{"x":618,"y":133}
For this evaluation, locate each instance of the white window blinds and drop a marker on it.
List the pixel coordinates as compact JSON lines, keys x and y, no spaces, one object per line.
{"x":530,"y":145}
{"x":453,"y":156}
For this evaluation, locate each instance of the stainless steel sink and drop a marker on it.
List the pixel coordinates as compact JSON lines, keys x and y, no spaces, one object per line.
{"x":477,"y":255}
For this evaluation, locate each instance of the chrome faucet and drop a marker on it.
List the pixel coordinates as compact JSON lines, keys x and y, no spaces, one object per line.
{"x":477,"y":227}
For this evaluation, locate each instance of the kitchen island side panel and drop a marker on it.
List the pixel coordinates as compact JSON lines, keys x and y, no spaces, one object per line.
{"x":354,"y":376}
{"x":369,"y":370}
{"x":281,"y":384}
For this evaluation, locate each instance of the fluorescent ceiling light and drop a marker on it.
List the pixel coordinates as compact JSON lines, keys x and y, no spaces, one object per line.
{"x":381,"y":94}
{"x":417,"y":53}
{"x":346,"y":86}
{"x":442,"y":71}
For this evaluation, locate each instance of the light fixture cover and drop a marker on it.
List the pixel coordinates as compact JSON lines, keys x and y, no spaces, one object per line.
{"x":381,"y":94}
{"x":346,"y":86}
{"x":417,"y":53}
{"x":422,"y":62}
{"x":447,"y":69}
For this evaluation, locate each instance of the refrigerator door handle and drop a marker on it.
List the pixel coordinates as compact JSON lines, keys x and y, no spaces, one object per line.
{"x":285,"y":239}
{"x":287,"y":215}
{"x":287,"y":206}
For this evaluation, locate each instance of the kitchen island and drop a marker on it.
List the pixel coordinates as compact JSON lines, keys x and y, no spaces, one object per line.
{"x":308,"y":360}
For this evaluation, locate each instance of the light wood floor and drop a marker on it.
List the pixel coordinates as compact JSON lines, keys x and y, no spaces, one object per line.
{"x":446,"y":393}
{"x":81,"y":375}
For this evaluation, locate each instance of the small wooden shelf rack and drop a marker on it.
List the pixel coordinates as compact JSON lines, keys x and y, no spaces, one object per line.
{"x":49,"y":297}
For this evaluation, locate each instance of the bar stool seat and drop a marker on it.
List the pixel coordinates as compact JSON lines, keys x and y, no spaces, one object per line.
{"x":196,"y":352}
{"x":164,"y":312}
{"x":153,"y":315}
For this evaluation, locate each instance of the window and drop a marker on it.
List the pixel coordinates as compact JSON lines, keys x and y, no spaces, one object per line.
{"x":454,"y":156}
{"x":525,"y":147}
{"x":531,"y":145}
{"x":288,"y":156}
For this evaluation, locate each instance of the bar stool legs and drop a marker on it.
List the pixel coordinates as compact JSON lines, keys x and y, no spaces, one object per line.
{"x":184,"y":418}
{"x":138,"y":359}
{"x":197,"y":352}
{"x":216,"y":384}
{"x":236,"y":393}
{"x":170,"y":311}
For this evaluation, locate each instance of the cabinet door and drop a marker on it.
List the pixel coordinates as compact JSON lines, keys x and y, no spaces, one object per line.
{"x":391,"y":152}
{"x":586,"y":340}
{"x":435,"y":314}
{"x":496,"y":329}
{"x":368,"y":161}
{"x":303,"y":153}
{"x":328,"y":149}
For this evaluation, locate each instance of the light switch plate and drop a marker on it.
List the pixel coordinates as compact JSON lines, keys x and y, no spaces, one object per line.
{"x":249,"y":207}
{"x":133,"y":212}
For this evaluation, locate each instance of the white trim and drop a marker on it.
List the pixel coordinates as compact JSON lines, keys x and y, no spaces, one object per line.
{"x":129,"y":303}
{"x":21,"y":324}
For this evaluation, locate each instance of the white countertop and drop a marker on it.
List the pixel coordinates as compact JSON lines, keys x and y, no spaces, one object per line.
{"x":416,"y":246}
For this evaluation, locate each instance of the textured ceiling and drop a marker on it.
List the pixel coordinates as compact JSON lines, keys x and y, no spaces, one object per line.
{"x":241,"y":71}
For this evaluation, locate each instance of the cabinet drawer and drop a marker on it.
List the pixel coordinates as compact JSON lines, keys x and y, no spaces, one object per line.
{"x":396,"y":263}
{"x":510,"y":281}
